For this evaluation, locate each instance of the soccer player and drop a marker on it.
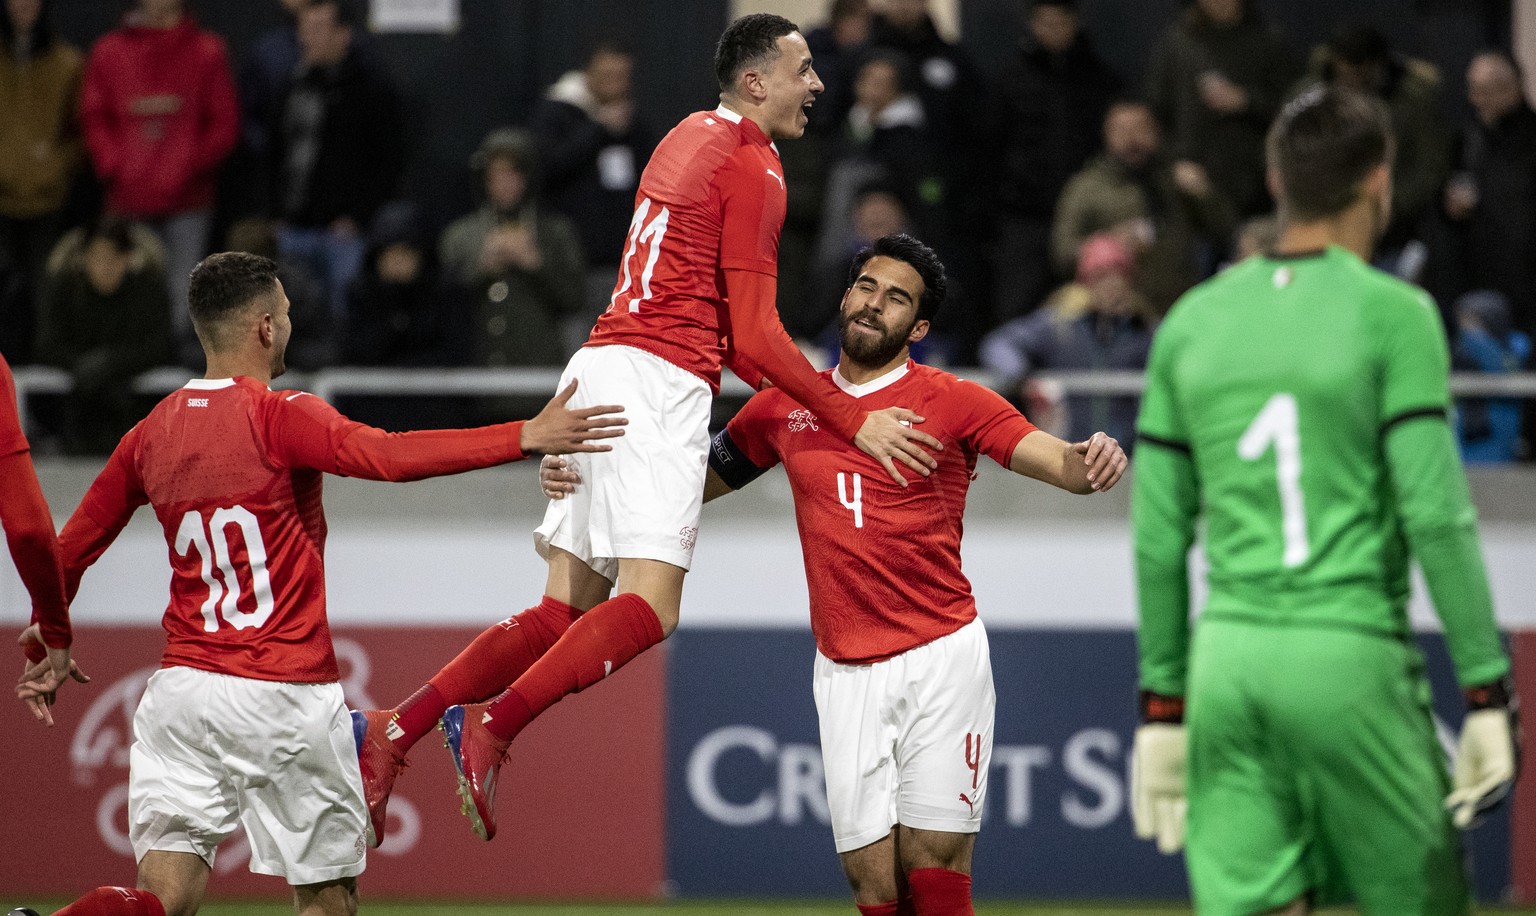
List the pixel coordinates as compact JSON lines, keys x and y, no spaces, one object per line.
{"x":244,"y":722}
{"x":1299,"y":401}
{"x":903,"y":679}
{"x":695,"y":288}
{"x":34,"y":549}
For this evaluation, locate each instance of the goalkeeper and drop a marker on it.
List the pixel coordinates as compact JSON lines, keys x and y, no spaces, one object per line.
{"x":1299,"y":400}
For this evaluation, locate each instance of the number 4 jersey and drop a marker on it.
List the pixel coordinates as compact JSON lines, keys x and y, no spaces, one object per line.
{"x":233,"y":472}
{"x":1299,"y":404}
{"x":882,"y":562}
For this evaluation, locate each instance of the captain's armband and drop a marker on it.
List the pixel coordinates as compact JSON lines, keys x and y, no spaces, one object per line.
{"x":731,"y":463}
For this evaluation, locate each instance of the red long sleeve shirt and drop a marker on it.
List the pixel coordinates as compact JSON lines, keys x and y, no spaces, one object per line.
{"x":28,"y":523}
{"x":233,"y":471}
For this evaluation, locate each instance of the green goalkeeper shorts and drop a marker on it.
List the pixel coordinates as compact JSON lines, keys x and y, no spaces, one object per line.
{"x":1314,"y":770}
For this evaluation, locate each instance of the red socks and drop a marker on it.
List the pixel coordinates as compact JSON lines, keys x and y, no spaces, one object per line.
{"x":940,"y":892}
{"x":503,"y":652}
{"x":877,"y":909}
{"x":495,"y":659}
{"x":604,"y":640}
{"x":115,"y":901}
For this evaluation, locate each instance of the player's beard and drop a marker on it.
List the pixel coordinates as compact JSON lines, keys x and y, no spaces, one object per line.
{"x":871,"y":352}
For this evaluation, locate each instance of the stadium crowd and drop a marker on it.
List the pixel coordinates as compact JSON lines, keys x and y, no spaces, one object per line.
{"x":1073,"y":207}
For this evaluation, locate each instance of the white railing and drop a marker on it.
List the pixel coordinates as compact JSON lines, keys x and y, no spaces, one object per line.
{"x":341,"y":382}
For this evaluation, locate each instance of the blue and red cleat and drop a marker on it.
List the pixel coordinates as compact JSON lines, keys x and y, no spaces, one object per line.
{"x":477,"y":756}
{"x":380,"y":763}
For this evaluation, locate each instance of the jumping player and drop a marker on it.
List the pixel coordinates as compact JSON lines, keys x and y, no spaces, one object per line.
{"x":695,"y":289}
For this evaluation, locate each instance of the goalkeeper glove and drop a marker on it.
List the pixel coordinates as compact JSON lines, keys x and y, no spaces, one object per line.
{"x":1158,"y":795}
{"x":1488,"y":754}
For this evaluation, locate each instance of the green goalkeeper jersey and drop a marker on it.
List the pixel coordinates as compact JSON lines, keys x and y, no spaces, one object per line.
{"x":1300,"y":403}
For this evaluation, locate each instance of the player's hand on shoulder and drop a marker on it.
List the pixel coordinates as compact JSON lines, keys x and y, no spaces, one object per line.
{"x":890,"y":436}
{"x":557,"y":477}
{"x":1488,"y":753}
{"x":558,"y":430}
{"x":44,"y":671}
{"x":1104,"y":458}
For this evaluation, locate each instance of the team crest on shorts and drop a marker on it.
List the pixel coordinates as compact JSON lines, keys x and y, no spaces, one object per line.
{"x":689,"y":536}
{"x":802,"y":419}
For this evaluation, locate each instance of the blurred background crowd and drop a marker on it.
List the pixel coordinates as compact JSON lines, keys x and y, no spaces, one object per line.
{"x":1073,"y":195}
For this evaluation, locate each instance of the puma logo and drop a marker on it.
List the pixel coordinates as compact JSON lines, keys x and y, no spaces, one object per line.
{"x":776,"y":178}
{"x":969,"y":803}
{"x":607,"y":667}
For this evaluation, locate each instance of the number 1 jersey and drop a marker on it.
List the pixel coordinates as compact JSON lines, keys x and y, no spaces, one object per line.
{"x":1280,"y":378}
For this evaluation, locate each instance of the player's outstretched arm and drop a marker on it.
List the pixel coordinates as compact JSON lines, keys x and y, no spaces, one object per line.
{"x":1091,"y":466}
{"x":44,"y":673}
{"x":34,"y":546}
{"x":558,"y":430}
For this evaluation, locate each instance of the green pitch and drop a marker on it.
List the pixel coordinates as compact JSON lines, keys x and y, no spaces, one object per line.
{"x":713,"y":908}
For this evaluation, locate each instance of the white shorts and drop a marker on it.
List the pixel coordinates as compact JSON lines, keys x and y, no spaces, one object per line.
{"x":213,"y":750}
{"x":907,"y":740}
{"x":642,"y":499}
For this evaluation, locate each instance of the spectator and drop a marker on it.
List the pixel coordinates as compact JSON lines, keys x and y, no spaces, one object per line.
{"x":955,"y":211}
{"x":838,"y":48}
{"x":1170,"y":213}
{"x":877,"y":210}
{"x":312,"y":344}
{"x":519,"y":265}
{"x":1489,"y":429}
{"x":1055,"y":92}
{"x":1216,"y":80}
{"x":399,"y":312}
{"x":262,"y":84}
{"x":1491,"y":197}
{"x":1099,"y":321}
{"x":104,"y":319}
{"x":1358,"y":57}
{"x":885,"y":138}
{"x":337,"y":149}
{"x":39,"y":155}
{"x":591,"y":148}
{"x":159,"y":112}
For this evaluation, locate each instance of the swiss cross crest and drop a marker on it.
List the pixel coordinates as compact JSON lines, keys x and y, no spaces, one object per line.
{"x":802,"y":419}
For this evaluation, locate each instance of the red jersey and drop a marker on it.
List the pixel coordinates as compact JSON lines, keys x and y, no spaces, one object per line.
{"x":882,"y":562}
{"x":711,"y":199}
{"x":233,"y":471}
{"x":28,"y":523}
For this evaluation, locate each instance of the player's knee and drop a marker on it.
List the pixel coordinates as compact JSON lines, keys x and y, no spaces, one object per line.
{"x":327,"y":898}
{"x":936,"y":849}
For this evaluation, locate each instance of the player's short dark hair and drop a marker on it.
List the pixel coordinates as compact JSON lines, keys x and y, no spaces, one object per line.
{"x":1323,"y":144}
{"x":749,"y":42}
{"x":223,"y":285}
{"x":919,"y":257}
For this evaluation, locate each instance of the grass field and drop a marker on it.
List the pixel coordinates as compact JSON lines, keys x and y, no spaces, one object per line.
{"x":712,"y":907}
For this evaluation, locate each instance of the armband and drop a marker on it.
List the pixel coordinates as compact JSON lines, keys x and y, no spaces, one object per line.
{"x":731,"y":463}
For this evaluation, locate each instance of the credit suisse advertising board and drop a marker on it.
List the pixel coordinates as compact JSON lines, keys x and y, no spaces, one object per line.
{"x":694,"y":771}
